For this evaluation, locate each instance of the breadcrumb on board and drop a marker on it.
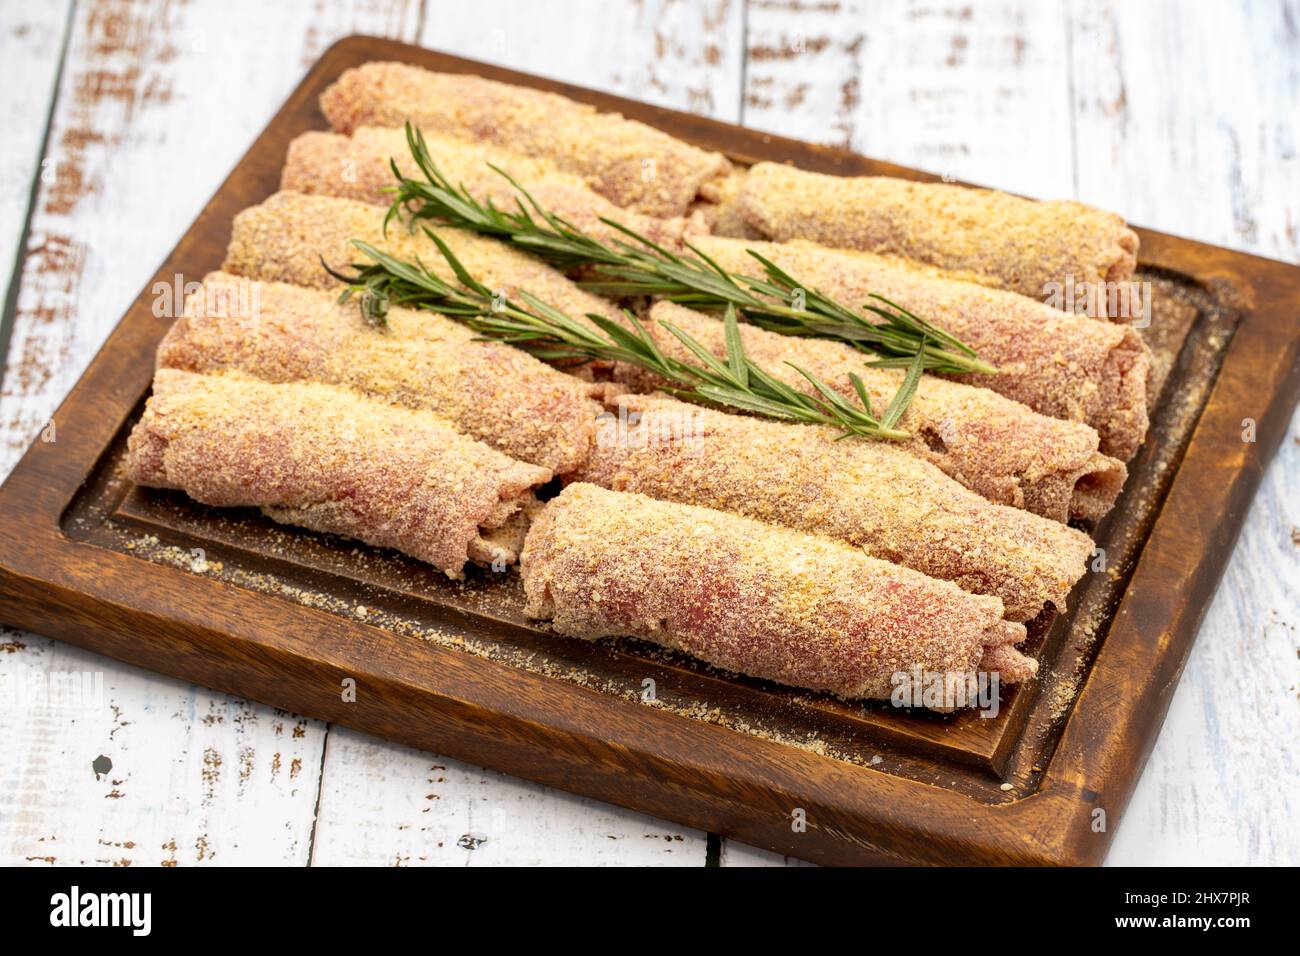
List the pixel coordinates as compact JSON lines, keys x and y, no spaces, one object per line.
{"x":151,"y":548}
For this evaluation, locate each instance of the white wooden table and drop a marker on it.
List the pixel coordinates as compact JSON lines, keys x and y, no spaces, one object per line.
{"x":121,"y":118}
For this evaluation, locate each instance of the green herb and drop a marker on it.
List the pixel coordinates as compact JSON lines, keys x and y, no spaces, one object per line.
{"x":778,"y":301}
{"x":552,"y":335}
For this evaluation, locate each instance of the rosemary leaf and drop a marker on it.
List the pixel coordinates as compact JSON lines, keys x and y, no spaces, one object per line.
{"x":551,"y":334}
{"x":735,"y":348}
{"x":903,"y":397}
{"x":777,"y":301}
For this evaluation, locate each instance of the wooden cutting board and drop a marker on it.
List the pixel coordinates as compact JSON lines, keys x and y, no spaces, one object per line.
{"x":375,"y":641}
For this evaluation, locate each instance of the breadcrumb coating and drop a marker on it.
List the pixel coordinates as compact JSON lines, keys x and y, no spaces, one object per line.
{"x":719,"y":206}
{"x":358,"y":168}
{"x":329,"y":459}
{"x":766,"y":548}
{"x":995,"y":446}
{"x":632,"y":165}
{"x":496,"y":393}
{"x":872,"y":495}
{"x":752,"y":598}
{"x":1009,"y":242}
{"x":1029,"y":461}
{"x":285,"y":238}
{"x":1062,"y":365}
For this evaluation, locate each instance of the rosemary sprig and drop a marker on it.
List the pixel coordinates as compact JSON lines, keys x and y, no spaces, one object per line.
{"x":777,"y":301}
{"x":550,"y":334}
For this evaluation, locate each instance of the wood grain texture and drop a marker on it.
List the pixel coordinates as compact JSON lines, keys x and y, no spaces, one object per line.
{"x":968,"y":91}
{"x":735,"y":853}
{"x":684,"y":54}
{"x":1223,"y":166}
{"x":1220,"y":784}
{"x":126,"y":119}
{"x":71,"y":574}
{"x":1226,"y":173}
{"x":387,"y":805}
{"x":31,"y":45}
{"x":200,"y":777}
{"x":151,"y":771}
{"x":945,"y":87}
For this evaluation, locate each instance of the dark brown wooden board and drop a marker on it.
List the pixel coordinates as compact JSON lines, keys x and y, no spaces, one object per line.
{"x":271,"y":614}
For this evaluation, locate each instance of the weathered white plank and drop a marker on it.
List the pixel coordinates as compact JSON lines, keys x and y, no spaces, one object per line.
{"x":803,"y":67}
{"x":685,"y":54}
{"x":974,"y":91}
{"x":1186,"y":121}
{"x":157,"y":101}
{"x":143,"y":769}
{"x":735,"y":853}
{"x":31,"y":39}
{"x":386,"y":805}
{"x":1187,"y":118}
